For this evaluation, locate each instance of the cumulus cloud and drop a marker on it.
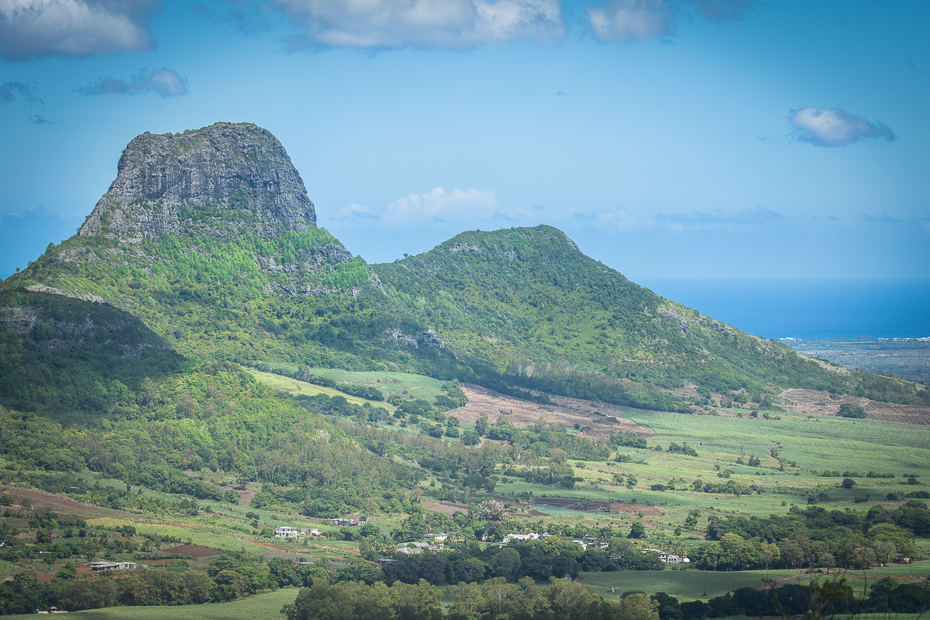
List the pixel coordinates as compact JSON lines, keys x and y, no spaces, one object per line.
{"x":354,"y":211}
{"x":10,"y":91}
{"x":624,"y":21}
{"x":835,"y":127}
{"x":439,"y":205}
{"x":78,"y":28}
{"x":630,"y":20}
{"x":435,"y":24}
{"x":163,"y":82}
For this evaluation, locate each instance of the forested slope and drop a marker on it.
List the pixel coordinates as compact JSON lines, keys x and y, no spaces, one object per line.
{"x":208,"y":237}
{"x":113,"y":398}
{"x":528,"y":304}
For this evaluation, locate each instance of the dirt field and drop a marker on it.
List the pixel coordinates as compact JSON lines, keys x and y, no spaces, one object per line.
{"x":595,"y":505}
{"x":446,"y":508}
{"x":191,"y":550}
{"x":62,"y":505}
{"x":41,"y":575}
{"x":815,"y":402}
{"x":598,"y":419}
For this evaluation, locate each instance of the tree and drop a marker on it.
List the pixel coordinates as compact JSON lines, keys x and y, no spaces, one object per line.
{"x":637,"y":530}
{"x":468,"y":601}
{"x":848,"y":483}
{"x":637,"y":606}
{"x":770,"y":553}
{"x":481,"y":425}
{"x":862,"y":557}
{"x":568,"y":599}
{"x":848,"y":410}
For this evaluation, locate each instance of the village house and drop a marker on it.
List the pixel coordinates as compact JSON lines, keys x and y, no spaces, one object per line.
{"x":285,"y":532}
{"x":412,"y":548}
{"x":524,"y":537}
{"x":668,"y":558}
{"x":103,"y":565}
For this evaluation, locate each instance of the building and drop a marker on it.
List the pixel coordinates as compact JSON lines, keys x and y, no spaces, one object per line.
{"x":309,"y":531}
{"x":669,"y":558}
{"x":103,"y":565}
{"x":524,"y":537}
{"x":418,"y":547}
{"x":412,"y":548}
{"x":285,"y":532}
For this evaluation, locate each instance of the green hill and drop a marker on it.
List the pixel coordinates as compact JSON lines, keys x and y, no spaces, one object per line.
{"x":209,"y":239}
{"x":527,"y":304}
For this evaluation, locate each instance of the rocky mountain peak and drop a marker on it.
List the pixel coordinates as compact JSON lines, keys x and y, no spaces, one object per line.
{"x":222,"y":180}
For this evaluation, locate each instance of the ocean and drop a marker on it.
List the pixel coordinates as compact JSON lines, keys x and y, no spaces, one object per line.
{"x":806,"y":308}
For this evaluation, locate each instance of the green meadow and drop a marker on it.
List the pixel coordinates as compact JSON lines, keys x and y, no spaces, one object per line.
{"x":262,"y":607}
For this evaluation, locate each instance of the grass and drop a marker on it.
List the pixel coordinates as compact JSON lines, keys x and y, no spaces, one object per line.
{"x":295,"y":387}
{"x":417,"y":386}
{"x":261,"y":607}
{"x":814,"y":442}
{"x":685,"y":585}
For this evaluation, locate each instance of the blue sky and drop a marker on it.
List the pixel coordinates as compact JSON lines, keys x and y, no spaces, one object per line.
{"x":675,"y":138}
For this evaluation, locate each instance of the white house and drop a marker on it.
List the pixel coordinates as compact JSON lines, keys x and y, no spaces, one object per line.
{"x":668,"y":558}
{"x":103,"y":565}
{"x":286,"y":532}
{"x":524,"y":537}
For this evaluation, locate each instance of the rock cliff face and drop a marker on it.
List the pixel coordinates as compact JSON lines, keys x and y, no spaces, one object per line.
{"x":223,"y":180}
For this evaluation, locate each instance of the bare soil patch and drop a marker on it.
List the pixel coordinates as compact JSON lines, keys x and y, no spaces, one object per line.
{"x":815,"y":402}
{"x":650,"y":511}
{"x":62,"y":505}
{"x":195,"y":551}
{"x":41,"y":575}
{"x":597,"y":419}
{"x":446,"y":508}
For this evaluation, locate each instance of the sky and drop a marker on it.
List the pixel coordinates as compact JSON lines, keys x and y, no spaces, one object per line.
{"x":668,"y":138}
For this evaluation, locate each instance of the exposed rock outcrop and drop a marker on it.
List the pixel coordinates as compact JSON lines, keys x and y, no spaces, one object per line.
{"x":223,"y":180}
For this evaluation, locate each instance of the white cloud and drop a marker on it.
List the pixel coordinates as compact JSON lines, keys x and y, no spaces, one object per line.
{"x":623,"y":21}
{"x":164,"y":82}
{"x":630,"y":20}
{"x":354,"y":211}
{"x":835,"y":127}
{"x":78,"y":28}
{"x":622,"y":221}
{"x":439,"y":205}
{"x":437,"y":24}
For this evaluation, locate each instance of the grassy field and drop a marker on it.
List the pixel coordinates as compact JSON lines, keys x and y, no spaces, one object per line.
{"x":417,"y":386}
{"x":295,"y":387}
{"x":261,"y":607}
{"x":685,"y":585}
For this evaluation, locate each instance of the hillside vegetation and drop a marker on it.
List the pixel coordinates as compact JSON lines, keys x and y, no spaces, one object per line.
{"x":527,"y":305}
{"x":205,"y":361}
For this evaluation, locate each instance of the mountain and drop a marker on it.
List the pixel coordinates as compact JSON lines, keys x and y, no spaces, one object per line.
{"x":209,"y":238}
{"x":528,"y":304}
{"x":224,"y":180}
